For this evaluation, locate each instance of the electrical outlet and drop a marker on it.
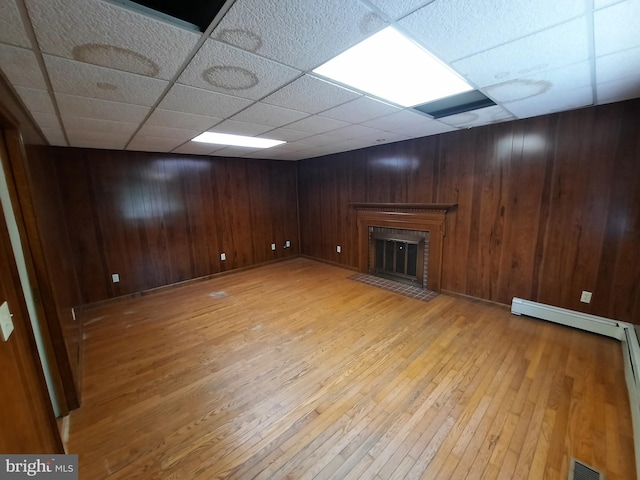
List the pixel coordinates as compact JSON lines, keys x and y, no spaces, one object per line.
{"x":273,"y":246}
{"x":339,"y":249}
{"x":223,"y":256}
{"x":585,"y":297}
{"x":115,"y":278}
{"x":287,"y":244}
{"x":6,"y":324}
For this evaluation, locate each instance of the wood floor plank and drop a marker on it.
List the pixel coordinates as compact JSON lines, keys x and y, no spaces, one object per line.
{"x":294,"y":371}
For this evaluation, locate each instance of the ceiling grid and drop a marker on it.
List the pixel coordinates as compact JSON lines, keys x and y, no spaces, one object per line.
{"x":94,"y":73}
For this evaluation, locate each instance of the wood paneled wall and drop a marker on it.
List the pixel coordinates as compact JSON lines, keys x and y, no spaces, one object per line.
{"x":547,"y":207}
{"x":156,"y":219}
{"x":53,"y":257}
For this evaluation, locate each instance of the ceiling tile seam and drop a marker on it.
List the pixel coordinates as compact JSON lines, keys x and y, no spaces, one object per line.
{"x":591,"y":46}
{"x":362,"y":94}
{"x":388,"y":18}
{"x":604,"y":7}
{"x":31,"y":34}
{"x":189,"y":58}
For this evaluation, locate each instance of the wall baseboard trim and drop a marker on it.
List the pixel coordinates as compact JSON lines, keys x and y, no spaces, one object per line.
{"x":79,"y":310}
{"x":471,"y":298}
{"x":624,"y":332}
{"x":329,"y":262}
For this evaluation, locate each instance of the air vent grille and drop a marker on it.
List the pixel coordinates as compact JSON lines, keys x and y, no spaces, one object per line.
{"x":582,"y":471}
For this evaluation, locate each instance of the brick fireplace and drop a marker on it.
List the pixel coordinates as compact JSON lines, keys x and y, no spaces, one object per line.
{"x":404,"y":231}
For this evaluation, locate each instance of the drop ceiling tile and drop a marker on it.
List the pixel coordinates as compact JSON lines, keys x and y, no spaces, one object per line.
{"x":316,"y":141}
{"x":91,"y":81}
{"x":167,"y":132}
{"x":360,"y":110}
{"x":74,"y":106}
{"x":300,"y":33}
{"x":285,"y":134}
{"x":358,"y":131}
{"x":240,"y":128}
{"x":390,"y":137}
{"x":141,"y":143}
{"x":556,"y":47}
{"x":46,"y":120}
{"x":98,"y":126}
{"x":227,"y":69}
{"x":618,"y":90}
{"x":264,"y":114}
{"x":54,"y":136}
{"x":396,"y":122}
{"x":195,"y":148}
{"x":398,"y":8}
{"x":317,"y":124}
{"x":167,"y":118}
{"x":11,"y":27}
{"x":540,"y":88}
{"x":321,"y":151}
{"x":474,"y":118}
{"x":236,"y":152}
{"x":311,"y":95}
{"x":36,"y":100}
{"x":552,"y":101}
{"x":202,"y":102}
{"x":484,"y":25}
{"x":21,"y":67}
{"x":618,"y":66}
{"x":599,"y":4}
{"x":616,"y":27}
{"x":268,"y":154}
{"x":111,"y":36}
{"x":97,"y":139}
{"x":425,"y":129}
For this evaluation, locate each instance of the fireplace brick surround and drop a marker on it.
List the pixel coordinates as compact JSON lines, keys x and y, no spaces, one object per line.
{"x":407,"y":216}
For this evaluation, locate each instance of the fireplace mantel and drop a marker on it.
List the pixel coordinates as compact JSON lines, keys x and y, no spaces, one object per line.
{"x":428,"y":217}
{"x":403,"y":206}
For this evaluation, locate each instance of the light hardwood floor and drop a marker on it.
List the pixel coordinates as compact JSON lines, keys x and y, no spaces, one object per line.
{"x":294,"y":371}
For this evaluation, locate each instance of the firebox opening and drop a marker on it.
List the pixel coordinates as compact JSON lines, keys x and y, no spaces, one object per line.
{"x":398,"y":255}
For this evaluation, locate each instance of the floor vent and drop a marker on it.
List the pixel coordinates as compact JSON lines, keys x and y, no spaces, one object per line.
{"x":582,"y":471}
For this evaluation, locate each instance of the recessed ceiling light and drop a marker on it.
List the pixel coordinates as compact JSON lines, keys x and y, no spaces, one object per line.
{"x":236,"y":140}
{"x":394,"y":68}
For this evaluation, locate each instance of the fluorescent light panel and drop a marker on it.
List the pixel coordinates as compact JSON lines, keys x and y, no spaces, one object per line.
{"x":394,"y":68}
{"x":236,"y":140}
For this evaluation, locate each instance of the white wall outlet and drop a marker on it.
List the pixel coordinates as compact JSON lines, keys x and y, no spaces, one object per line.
{"x":339,"y":249}
{"x":6,"y":324}
{"x":115,"y":278}
{"x":223,"y":256}
{"x":585,"y":297}
{"x":273,"y":246}
{"x":287,"y":244}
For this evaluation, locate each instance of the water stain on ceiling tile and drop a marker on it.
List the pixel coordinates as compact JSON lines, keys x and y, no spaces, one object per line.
{"x":230,"y":78}
{"x":240,"y":38}
{"x":515,"y":90}
{"x":116,"y":57}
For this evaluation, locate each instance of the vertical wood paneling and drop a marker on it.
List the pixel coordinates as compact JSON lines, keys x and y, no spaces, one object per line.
{"x":547,"y":207}
{"x":57,"y":281}
{"x":158,"y":219}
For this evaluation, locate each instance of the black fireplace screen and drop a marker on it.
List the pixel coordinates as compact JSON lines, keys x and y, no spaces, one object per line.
{"x":399,"y":256}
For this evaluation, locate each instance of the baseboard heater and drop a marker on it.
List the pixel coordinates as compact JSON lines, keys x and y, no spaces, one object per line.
{"x":622,"y":331}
